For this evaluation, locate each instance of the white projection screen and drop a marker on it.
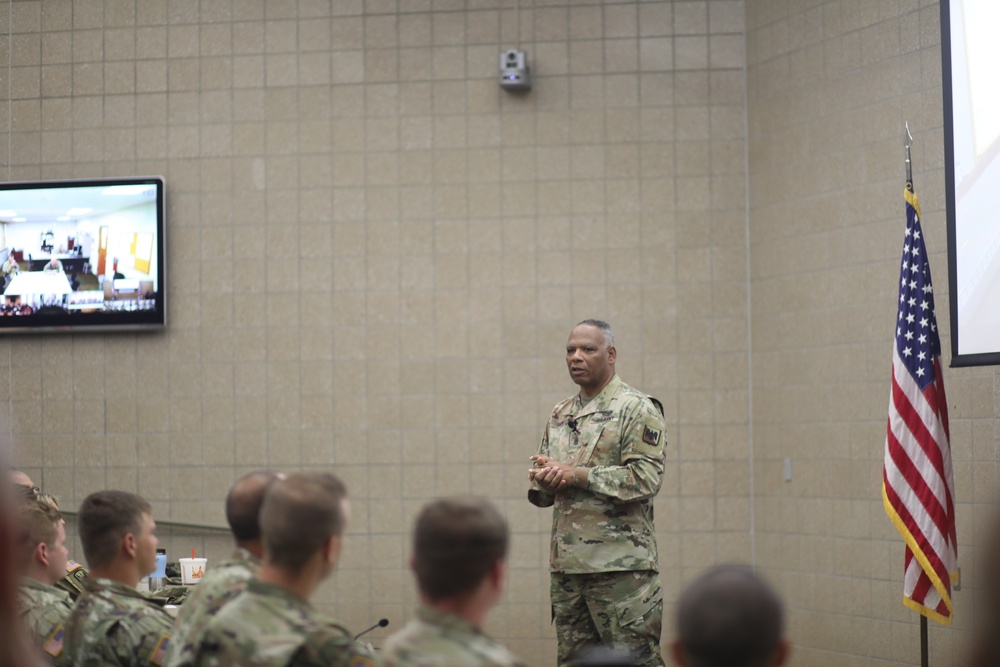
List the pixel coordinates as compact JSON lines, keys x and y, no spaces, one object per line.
{"x":970,"y":56}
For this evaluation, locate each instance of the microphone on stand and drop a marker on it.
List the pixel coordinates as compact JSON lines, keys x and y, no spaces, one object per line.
{"x":381,"y":624}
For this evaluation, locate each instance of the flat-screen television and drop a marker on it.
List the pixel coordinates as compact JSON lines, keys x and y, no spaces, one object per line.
{"x":82,"y":255}
{"x":970,"y":53}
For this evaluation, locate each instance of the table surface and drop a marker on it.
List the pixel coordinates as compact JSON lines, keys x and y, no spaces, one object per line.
{"x":38,"y":282}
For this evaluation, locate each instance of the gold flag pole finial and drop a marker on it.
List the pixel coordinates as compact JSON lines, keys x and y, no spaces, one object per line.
{"x":907,"y":142}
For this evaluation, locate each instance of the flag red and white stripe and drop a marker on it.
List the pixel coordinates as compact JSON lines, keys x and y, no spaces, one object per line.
{"x":918,"y":487}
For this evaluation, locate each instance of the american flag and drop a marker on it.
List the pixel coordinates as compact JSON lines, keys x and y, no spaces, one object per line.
{"x":54,"y":645}
{"x":918,"y":487}
{"x":160,"y":650}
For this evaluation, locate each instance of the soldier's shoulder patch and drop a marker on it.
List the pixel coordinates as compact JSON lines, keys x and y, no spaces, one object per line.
{"x":160,"y":650}
{"x":72,"y":566}
{"x":650,"y":436}
{"x":54,"y":644}
{"x":362,"y":661}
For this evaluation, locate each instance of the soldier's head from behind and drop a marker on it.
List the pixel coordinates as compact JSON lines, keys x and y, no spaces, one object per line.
{"x":118,"y":535}
{"x":20,"y":478}
{"x":730,"y":617}
{"x":302,"y":524}
{"x":459,"y":554}
{"x":591,"y":355}
{"x":243,"y":503}
{"x":41,"y":542}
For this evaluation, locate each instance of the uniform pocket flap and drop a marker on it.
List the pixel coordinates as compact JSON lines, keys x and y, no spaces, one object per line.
{"x":636,"y":606}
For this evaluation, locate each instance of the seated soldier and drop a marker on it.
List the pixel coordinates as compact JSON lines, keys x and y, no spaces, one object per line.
{"x":730,"y":617}
{"x":113,"y":623}
{"x":302,"y":524}
{"x":459,"y":558}
{"x":41,"y":558}
{"x":229,"y":578}
{"x":74,"y":574}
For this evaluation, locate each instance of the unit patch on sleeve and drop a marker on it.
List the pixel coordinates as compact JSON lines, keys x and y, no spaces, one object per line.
{"x":650,"y":436}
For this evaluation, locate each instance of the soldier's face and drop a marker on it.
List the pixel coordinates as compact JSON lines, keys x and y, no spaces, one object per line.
{"x":590,"y":361}
{"x":146,"y":543}
{"x":58,"y":554}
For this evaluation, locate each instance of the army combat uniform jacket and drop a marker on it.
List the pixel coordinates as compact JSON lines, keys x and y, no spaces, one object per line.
{"x":439,"y":639}
{"x":114,"y":624}
{"x":222,"y":583}
{"x":268,"y":626}
{"x":43,"y":610}
{"x":607,"y":526}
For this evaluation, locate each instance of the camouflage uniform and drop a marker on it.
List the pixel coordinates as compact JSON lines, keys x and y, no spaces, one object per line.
{"x":114,"y":624}
{"x":43,"y":610}
{"x":222,"y":583}
{"x":268,"y":626}
{"x":437,"y":638}
{"x":605,"y":587}
{"x":72,"y":583}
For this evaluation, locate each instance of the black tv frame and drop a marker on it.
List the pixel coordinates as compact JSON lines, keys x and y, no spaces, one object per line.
{"x":153,"y":319}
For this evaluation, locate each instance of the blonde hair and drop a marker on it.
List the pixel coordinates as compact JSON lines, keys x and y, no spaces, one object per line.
{"x":38,"y":519}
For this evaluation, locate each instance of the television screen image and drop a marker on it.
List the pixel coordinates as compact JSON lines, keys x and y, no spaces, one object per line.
{"x":82,"y":255}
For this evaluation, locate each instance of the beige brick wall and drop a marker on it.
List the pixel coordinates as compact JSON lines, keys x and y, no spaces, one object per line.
{"x":375,"y":256}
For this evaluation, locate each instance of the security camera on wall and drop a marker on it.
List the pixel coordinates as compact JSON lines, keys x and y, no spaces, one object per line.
{"x":514,"y":71}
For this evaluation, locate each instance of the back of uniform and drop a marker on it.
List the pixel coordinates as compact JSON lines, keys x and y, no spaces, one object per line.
{"x":220,"y":586}
{"x":114,"y":624}
{"x":267,"y":626}
{"x":439,"y":639}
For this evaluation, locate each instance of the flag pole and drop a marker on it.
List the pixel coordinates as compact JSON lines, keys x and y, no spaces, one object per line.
{"x":907,"y":142}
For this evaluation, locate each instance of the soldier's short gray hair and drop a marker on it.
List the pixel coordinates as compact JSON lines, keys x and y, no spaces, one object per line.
{"x":609,"y":335}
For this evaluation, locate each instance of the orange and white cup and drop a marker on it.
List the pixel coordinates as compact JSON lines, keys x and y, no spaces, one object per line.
{"x":193,"y":570}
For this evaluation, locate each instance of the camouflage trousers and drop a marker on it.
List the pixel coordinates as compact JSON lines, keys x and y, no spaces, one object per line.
{"x":619,"y":609}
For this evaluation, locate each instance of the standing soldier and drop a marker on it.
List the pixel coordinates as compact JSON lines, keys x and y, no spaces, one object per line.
{"x":600,"y":463}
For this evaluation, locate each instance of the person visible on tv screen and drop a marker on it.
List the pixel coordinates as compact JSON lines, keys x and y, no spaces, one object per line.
{"x":54,"y":266}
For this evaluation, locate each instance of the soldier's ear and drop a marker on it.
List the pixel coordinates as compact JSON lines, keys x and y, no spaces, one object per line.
{"x":331,"y":549}
{"x":612,"y":355}
{"x":498,"y":574}
{"x":42,"y":553}
{"x":129,"y":545}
